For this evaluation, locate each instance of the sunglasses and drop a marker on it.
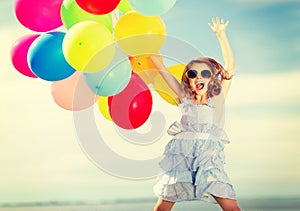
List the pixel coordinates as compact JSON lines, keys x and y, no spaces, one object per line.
{"x":193,"y":74}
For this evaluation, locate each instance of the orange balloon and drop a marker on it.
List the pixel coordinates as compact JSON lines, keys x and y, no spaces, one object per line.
{"x":142,"y":62}
{"x":73,"y":93}
{"x":144,"y":67}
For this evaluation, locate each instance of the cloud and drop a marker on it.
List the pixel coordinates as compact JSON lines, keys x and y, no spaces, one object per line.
{"x":265,"y":89}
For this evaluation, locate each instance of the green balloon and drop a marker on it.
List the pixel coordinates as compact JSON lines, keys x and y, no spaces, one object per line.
{"x":124,"y":6}
{"x":71,"y":14}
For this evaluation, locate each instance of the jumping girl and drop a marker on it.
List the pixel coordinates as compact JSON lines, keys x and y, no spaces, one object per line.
{"x":193,"y":162}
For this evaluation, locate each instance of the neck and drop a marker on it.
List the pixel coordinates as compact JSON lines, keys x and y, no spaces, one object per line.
{"x":201,"y":99}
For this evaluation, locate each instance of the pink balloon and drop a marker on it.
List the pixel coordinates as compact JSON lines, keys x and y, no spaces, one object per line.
{"x":38,"y":15}
{"x":18,"y":54}
{"x":72,"y":93}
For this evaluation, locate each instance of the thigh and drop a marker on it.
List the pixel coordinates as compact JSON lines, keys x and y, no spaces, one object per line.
{"x":227,"y":204}
{"x":163,"y":205}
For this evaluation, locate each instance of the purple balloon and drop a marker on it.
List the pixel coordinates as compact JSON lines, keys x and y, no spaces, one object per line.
{"x":18,"y":54}
{"x":38,"y":15}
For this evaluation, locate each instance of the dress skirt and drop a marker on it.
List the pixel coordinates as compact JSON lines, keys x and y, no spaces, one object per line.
{"x":193,"y":169}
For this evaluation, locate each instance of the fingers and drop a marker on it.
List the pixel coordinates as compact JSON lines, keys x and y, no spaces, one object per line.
{"x":218,"y":25}
{"x":218,"y":21}
{"x":226,"y":24}
{"x":213,"y":21}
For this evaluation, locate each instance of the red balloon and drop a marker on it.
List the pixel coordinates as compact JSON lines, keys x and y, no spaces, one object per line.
{"x":98,"y":7}
{"x":131,"y":108}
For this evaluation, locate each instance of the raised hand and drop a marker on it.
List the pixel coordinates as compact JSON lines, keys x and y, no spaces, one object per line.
{"x":218,"y":26}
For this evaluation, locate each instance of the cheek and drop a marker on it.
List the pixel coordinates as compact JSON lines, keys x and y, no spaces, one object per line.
{"x":207,"y":81}
{"x":206,"y":84}
{"x":191,"y":83}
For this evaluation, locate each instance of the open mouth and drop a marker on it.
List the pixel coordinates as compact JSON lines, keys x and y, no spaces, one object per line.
{"x":199,"y":86}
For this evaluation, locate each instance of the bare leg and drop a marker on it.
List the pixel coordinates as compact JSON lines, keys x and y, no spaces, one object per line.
{"x":163,"y":205}
{"x":227,"y":204}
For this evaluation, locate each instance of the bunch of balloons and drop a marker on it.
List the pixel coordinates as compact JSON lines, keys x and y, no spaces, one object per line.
{"x":95,"y":51}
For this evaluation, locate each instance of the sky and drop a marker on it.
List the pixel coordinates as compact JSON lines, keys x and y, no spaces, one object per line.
{"x":42,"y":159}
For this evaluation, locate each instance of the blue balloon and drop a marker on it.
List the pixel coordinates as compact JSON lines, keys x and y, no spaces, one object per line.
{"x":45,"y":57}
{"x":112,"y":79}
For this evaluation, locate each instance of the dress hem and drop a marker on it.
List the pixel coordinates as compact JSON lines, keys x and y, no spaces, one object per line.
{"x":205,"y":196}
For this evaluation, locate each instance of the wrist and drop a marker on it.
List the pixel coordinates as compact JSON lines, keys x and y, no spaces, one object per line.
{"x":221,"y":35}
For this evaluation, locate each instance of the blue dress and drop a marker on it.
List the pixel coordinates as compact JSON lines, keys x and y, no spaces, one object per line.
{"x":193,"y":161}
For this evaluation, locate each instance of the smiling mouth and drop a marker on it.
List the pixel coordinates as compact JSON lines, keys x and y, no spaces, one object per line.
{"x":200,"y":86}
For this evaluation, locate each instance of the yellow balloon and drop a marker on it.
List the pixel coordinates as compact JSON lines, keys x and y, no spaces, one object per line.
{"x":177,"y":70}
{"x":162,"y":88}
{"x":137,"y":34}
{"x":103,"y":107}
{"x":83,"y":41}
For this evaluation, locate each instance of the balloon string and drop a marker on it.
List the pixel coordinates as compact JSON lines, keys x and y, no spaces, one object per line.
{"x":115,"y":17}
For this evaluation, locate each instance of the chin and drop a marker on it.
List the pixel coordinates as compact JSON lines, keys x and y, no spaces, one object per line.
{"x":201,"y":92}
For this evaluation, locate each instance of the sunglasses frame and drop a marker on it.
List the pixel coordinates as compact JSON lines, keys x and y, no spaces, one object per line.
{"x":197,"y":72}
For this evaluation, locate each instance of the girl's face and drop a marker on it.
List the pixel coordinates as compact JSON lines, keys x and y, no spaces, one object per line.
{"x":199,"y":84}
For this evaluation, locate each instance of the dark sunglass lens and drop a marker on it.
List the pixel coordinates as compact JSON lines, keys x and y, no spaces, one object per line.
{"x":192,"y":73}
{"x":206,"y":74}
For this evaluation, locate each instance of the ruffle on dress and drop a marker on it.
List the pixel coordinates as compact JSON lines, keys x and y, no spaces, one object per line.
{"x":193,"y":166}
{"x":201,"y":131}
{"x":193,"y":161}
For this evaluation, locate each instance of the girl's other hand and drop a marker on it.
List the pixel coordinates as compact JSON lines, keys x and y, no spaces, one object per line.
{"x":218,"y":26}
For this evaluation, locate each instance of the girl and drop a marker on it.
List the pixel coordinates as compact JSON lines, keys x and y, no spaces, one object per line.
{"x":194,"y":159}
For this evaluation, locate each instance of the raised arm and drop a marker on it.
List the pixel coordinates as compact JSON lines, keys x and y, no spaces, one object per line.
{"x":219,"y":27}
{"x":168,"y":77}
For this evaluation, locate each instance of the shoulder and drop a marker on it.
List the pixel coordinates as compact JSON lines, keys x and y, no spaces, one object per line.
{"x":184,"y":101}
